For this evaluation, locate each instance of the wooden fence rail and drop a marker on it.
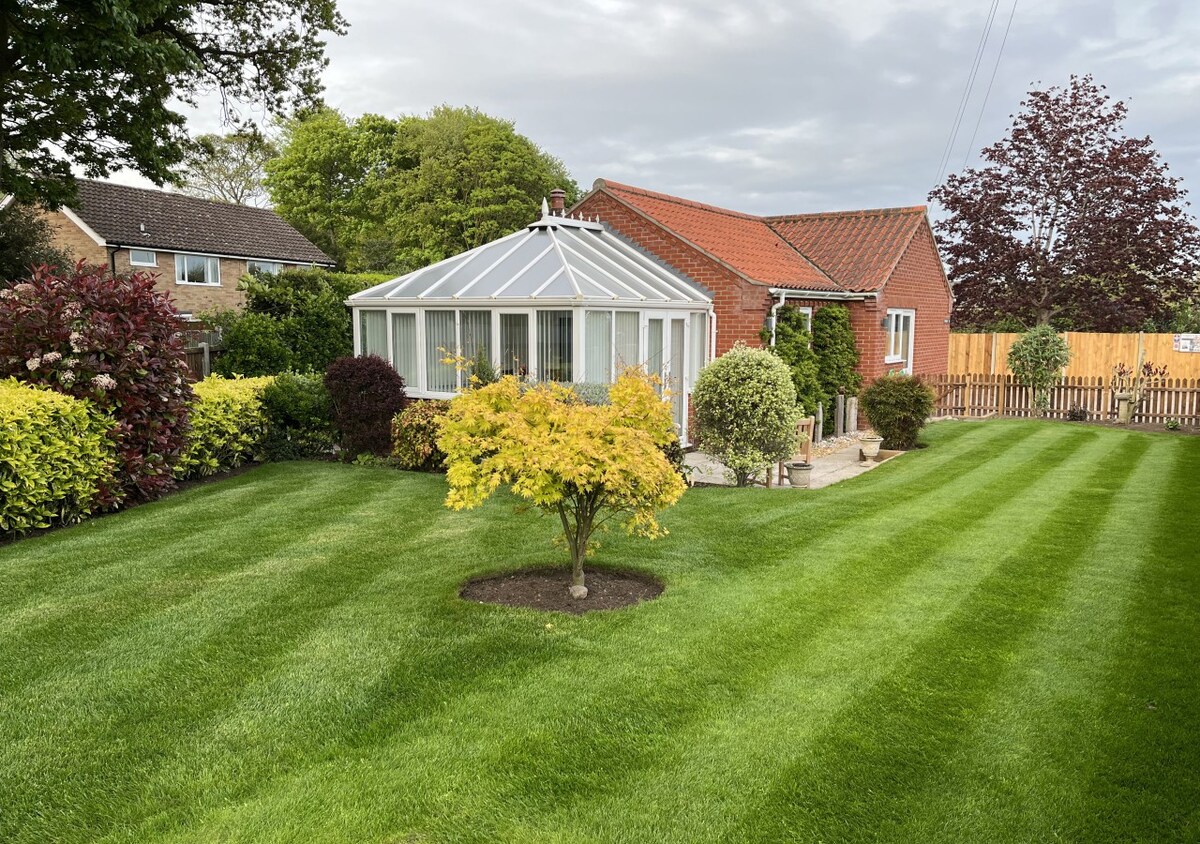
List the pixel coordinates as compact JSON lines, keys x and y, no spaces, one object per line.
{"x":1092,"y":354}
{"x":976,"y":395}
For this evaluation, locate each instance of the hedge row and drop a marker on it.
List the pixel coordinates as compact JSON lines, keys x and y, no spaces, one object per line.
{"x":228,"y":426}
{"x":56,"y":457}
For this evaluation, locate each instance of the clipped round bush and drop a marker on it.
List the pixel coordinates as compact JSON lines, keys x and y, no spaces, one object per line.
{"x":1038,"y":360}
{"x":897,"y":407}
{"x":299,"y":415}
{"x":115,"y":341}
{"x":745,"y":408}
{"x":227,"y":426}
{"x":415,"y":431}
{"x":367,"y":393}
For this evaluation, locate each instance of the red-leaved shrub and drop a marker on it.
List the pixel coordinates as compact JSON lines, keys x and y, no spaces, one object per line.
{"x":115,"y":341}
{"x":367,"y":392}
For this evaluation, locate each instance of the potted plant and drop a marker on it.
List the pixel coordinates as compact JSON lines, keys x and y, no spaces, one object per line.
{"x":870,"y":446}
{"x":1130,"y":385}
{"x":799,"y":473}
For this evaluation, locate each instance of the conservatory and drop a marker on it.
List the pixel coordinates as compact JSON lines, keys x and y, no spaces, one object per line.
{"x":563,"y":300}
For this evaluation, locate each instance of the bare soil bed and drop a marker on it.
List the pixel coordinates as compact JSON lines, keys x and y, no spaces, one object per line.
{"x":546,"y":589}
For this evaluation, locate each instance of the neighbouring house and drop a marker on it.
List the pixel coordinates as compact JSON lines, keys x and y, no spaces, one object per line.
{"x":882,"y":263}
{"x":198,"y":248}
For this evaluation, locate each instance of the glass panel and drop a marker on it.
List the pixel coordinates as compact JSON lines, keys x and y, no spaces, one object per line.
{"x":439,"y":344}
{"x":265,"y":267}
{"x":628,"y":324}
{"x":142,"y":257}
{"x":597,"y":337}
{"x":654,"y":351}
{"x":675,"y":371}
{"x":554,"y":341}
{"x":475,"y":328}
{"x":514,"y":344}
{"x":372,"y":331}
{"x":404,"y":347}
{"x":905,"y":338}
{"x":191,"y":269}
{"x":699,"y":342}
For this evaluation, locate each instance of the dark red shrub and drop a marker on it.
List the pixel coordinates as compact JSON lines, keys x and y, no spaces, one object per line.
{"x":367,"y":392}
{"x":115,"y":341}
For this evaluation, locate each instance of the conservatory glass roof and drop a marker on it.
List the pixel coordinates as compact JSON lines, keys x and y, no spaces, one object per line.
{"x":555,"y":258}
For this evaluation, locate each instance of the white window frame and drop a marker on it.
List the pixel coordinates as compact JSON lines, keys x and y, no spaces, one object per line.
{"x":276,"y":264}
{"x":808,"y":314}
{"x":153,"y":258}
{"x":216,"y":262}
{"x":892,"y":354}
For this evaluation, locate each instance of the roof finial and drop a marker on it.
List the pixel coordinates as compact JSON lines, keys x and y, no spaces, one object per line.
{"x":545,"y":207}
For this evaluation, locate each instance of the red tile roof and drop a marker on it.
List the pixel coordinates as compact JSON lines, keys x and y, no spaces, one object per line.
{"x":848,"y":250}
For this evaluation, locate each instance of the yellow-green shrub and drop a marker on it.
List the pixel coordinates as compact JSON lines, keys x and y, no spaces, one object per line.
{"x":228,"y":425}
{"x":55,"y":456}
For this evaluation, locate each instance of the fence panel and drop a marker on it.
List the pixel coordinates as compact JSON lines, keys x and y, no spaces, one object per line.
{"x":1092,"y":355}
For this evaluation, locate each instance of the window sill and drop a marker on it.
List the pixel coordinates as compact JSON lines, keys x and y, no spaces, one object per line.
{"x":893,"y":359}
{"x":196,"y":283}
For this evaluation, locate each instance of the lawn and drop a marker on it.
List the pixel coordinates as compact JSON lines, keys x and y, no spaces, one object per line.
{"x":996,"y":638}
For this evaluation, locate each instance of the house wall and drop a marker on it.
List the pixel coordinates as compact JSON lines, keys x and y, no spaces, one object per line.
{"x":73,"y":240}
{"x":918,"y":283}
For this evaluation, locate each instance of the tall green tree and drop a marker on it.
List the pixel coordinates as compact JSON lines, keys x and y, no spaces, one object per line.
{"x":378,"y":193}
{"x":25,"y":242}
{"x":837,"y":355}
{"x":228,"y":168}
{"x":97,"y":85}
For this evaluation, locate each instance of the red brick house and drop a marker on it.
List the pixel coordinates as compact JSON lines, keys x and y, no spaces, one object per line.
{"x":199,"y":249}
{"x":881,"y":263}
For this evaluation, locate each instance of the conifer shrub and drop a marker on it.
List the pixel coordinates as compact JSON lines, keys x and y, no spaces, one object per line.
{"x":837,"y":355}
{"x":367,"y":393}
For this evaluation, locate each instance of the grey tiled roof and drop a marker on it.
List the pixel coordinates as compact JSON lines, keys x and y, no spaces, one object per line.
{"x":154,"y":219}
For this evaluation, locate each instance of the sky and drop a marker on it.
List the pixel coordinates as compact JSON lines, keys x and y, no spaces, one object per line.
{"x":765,"y":107}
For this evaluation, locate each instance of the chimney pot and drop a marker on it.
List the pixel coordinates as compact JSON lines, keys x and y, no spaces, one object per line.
{"x":558,"y":201}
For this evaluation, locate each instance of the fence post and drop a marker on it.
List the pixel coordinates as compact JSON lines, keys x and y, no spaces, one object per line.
{"x":995,"y":349}
{"x":819,"y":425}
{"x":206,"y":369}
{"x":839,"y":424}
{"x":852,"y":414}
{"x":1003,"y":397}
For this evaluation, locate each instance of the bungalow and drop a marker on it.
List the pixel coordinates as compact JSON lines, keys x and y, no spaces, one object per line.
{"x":198,"y":248}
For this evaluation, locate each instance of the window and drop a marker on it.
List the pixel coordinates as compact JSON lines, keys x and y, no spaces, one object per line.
{"x":475,"y":334}
{"x":555,"y":338}
{"x":598,"y":351}
{"x":264,"y":267}
{"x":440,"y":343}
{"x":372,"y":333}
{"x":197,"y":269}
{"x":626,"y":339}
{"x":899,"y":324}
{"x":143,"y":258}
{"x":514,"y":344}
{"x":404,"y":348}
{"x":699,"y":342}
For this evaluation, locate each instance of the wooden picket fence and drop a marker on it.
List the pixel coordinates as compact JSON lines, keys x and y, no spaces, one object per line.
{"x":978,"y":395}
{"x":1092,"y":354}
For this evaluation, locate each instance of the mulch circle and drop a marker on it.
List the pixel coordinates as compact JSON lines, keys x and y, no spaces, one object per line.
{"x":546,"y":589}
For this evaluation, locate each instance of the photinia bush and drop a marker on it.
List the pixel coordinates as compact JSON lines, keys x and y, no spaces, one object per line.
{"x":367,"y":392}
{"x":115,"y":341}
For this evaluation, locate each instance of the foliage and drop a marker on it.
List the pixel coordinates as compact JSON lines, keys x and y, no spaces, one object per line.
{"x":415,"y":432}
{"x":299,"y":415}
{"x":101,"y":86}
{"x":1185,"y":317}
{"x":1134,"y":381}
{"x":590,"y":392}
{"x":794,"y":346}
{"x":588,"y":464}
{"x":25,"y":243}
{"x":376,"y":193}
{"x":114,"y":340}
{"x":1077,"y":413}
{"x":228,"y":426}
{"x":366,"y":393}
{"x":480,"y":369}
{"x":1069,"y":222}
{"x":293,"y":320}
{"x":228,"y":168}
{"x":837,"y":354}
{"x":745,"y":408}
{"x":897,"y":407}
{"x":55,"y":455}
{"x":1172,"y":424}
{"x":1038,"y":359}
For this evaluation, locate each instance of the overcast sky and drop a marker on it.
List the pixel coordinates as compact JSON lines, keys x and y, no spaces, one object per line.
{"x":766,"y":107}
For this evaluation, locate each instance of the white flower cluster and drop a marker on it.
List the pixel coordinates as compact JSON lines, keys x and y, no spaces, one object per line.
{"x":7,"y":294}
{"x":51,"y":357}
{"x":76,"y":341}
{"x":104,"y":381}
{"x":72,"y":310}
{"x":66,"y":377}
{"x":33,"y":363}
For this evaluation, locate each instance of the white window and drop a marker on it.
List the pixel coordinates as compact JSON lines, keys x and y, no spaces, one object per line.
{"x":627,"y":340}
{"x":264,"y":267}
{"x":555,"y":345}
{"x":514,"y":344}
{"x":372,"y":327}
{"x":404,"y":348}
{"x":899,"y":323}
{"x":598,"y":347}
{"x":197,"y":269}
{"x":143,"y":258}
{"x":440,"y":346}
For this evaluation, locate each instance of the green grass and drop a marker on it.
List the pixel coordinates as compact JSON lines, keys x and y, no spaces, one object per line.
{"x":993,"y":639}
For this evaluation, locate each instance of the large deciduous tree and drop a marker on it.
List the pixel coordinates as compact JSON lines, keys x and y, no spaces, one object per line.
{"x":1069,"y":221}
{"x":228,"y":168}
{"x":97,"y":85}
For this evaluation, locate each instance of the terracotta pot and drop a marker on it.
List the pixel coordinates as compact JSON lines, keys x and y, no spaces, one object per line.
{"x":798,"y":474}
{"x":870,"y":446}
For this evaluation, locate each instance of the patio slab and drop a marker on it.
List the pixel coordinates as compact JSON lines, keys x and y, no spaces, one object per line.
{"x":828,"y":468}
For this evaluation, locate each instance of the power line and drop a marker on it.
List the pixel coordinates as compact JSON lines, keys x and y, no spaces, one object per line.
{"x":987,"y":93}
{"x":966,"y":94}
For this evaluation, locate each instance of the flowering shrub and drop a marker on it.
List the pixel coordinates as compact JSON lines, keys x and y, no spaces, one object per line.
{"x":414,"y":436}
{"x":367,"y":392}
{"x":55,"y":455}
{"x":746,"y":412}
{"x":228,"y":426}
{"x":114,"y":341}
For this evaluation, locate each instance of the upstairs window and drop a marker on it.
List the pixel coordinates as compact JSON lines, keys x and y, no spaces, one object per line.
{"x":264,"y":267}
{"x":197,"y":269}
{"x":143,"y":258}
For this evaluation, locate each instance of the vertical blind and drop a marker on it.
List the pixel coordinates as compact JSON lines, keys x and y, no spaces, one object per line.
{"x":628,"y":327}
{"x":675,"y":369}
{"x":475,"y":330}
{"x":439,"y":343}
{"x":598,"y":347}
{"x":372,"y":327}
{"x":404,"y":348}
{"x":699,"y":343}
{"x":654,"y":350}
{"x":554,"y":345}
{"x":514,"y":344}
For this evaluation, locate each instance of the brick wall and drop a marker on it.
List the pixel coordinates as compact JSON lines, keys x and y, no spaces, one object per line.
{"x":192,"y":298}
{"x":918,"y":283}
{"x":71,"y":239}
